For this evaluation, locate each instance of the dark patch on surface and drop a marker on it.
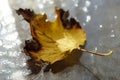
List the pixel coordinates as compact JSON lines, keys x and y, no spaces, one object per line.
{"x":26,"y":13}
{"x":72,"y":59}
{"x":67,"y":23}
{"x":35,"y":69}
{"x":35,"y":66}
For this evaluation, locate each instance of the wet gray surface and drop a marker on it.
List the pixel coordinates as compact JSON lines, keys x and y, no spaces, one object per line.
{"x":99,"y":18}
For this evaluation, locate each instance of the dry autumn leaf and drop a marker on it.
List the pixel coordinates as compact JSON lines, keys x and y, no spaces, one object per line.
{"x":55,"y":42}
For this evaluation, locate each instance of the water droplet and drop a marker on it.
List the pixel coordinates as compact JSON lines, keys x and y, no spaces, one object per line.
{"x":95,"y":49}
{"x":85,"y":9}
{"x":76,"y":5}
{"x":63,"y":4}
{"x":96,"y":7}
{"x":112,"y":35}
{"x":115,"y":17}
{"x":112,"y":31}
{"x":91,"y":55}
{"x":41,"y":6}
{"x":87,"y":3}
{"x":84,"y":24}
{"x":101,"y":26}
{"x":88,"y":18}
{"x":24,"y":64}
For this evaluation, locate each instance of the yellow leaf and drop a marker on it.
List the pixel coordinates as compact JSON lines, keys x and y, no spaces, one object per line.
{"x":54,"y":38}
{"x":54,"y":42}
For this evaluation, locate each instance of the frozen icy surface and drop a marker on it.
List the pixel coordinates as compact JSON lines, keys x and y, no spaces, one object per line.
{"x":99,"y":18}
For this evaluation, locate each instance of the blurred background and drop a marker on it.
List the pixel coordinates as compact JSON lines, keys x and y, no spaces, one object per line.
{"x":99,"y":18}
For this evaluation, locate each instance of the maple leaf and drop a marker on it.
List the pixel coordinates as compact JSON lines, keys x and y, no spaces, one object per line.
{"x":53,"y":42}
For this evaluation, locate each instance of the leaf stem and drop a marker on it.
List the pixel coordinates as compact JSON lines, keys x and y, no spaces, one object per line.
{"x":99,"y":54}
